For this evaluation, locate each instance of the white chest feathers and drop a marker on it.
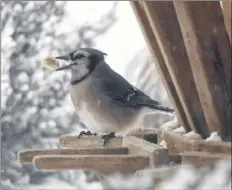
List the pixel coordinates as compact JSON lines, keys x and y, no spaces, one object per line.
{"x":88,"y":108}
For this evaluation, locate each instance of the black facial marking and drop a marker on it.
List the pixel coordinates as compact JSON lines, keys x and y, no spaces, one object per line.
{"x":93,"y":61}
{"x":95,"y":57}
{"x":75,"y":57}
{"x":79,"y":56}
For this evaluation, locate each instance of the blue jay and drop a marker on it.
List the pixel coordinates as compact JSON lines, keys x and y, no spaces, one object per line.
{"x":103,"y":99}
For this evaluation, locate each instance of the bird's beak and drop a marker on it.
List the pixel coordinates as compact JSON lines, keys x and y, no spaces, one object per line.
{"x":64,"y":67}
{"x":66,"y":58}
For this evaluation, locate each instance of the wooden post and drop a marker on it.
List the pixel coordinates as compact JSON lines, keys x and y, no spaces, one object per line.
{"x":165,"y":26}
{"x":209,"y":52}
{"x":227,"y":6}
{"x":158,"y":154}
{"x":160,"y":63}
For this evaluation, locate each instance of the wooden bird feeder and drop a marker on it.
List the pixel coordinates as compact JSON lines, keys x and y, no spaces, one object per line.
{"x":190,"y":43}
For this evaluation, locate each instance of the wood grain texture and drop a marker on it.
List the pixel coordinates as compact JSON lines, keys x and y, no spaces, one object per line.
{"x":204,"y":158}
{"x":227,"y":6}
{"x":213,"y":146}
{"x":178,"y":144}
{"x":71,"y":141}
{"x":209,"y":52}
{"x":159,"y":61}
{"x":26,"y":156}
{"x":158,"y":155}
{"x":106,"y":164}
{"x":148,"y":134}
{"x":165,"y":26}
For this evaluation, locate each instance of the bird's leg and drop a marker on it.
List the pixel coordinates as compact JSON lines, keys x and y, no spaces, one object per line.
{"x":88,"y":133}
{"x":107,"y":138}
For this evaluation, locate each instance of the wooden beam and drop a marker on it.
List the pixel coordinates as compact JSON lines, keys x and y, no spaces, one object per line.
{"x":213,"y":146}
{"x":148,"y":134}
{"x":209,"y":52}
{"x":106,"y":164}
{"x":178,"y":144}
{"x":158,"y":154}
{"x":165,"y":26}
{"x":227,"y":6}
{"x":160,"y":63}
{"x":204,"y":158}
{"x":72,"y":141}
{"x":26,"y":156}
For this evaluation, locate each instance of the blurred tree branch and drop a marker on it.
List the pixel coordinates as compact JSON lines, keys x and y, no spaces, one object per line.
{"x":32,"y":105}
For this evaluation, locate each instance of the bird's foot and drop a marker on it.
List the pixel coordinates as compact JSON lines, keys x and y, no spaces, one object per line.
{"x":107,"y":138}
{"x":88,"y":133}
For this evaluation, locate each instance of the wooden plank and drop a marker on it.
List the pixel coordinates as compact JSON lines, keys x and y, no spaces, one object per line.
{"x":209,"y":52}
{"x":227,"y":6}
{"x":165,"y":26}
{"x":148,"y":134}
{"x":160,"y":63}
{"x":158,"y":154}
{"x":106,"y":164}
{"x":72,"y":141}
{"x":176,"y":143}
{"x":213,"y":146}
{"x":26,"y":156}
{"x":202,"y":157}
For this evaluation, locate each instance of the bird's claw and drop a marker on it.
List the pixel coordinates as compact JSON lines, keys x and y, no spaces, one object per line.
{"x":107,"y":138}
{"x":88,"y":133}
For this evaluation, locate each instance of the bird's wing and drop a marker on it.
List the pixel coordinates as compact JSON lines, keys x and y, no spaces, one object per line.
{"x":132,"y":96}
{"x":122,"y":92}
{"x":136,"y":98}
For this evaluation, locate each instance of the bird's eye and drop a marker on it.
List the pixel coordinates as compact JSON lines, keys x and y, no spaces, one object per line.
{"x":79,"y":56}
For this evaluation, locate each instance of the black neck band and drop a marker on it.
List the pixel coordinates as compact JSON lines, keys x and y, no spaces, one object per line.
{"x":80,"y":79}
{"x":92,"y":65}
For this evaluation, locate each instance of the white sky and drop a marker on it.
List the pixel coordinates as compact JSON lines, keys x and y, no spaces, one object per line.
{"x":122,"y":41}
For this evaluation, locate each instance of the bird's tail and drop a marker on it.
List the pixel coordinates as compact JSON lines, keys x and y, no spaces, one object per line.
{"x":162,"y":108}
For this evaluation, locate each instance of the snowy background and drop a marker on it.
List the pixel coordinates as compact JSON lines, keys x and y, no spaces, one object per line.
{"x":35,"y":103}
